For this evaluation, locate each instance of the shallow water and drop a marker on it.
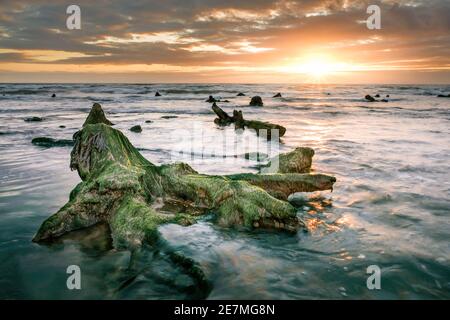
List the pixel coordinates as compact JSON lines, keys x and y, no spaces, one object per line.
{"x":390,"y":206}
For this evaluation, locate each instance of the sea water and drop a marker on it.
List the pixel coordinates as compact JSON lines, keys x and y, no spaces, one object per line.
{"x":390,"y":206}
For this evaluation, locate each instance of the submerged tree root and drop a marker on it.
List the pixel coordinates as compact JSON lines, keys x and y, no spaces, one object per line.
{"x":134,"y":197}
{"x":261,"y":128}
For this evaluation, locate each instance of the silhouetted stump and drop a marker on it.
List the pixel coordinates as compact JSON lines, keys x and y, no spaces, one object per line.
{"x":370,"y":98}
{"x":256,"y":101}
{"x":240,"y":123}
{"x":211,"y":99}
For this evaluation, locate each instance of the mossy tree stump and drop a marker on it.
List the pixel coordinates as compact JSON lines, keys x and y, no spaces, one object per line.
{"x":133,"y":196}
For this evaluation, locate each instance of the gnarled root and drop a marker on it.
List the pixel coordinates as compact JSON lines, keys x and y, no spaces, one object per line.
{"x":262,"y":128}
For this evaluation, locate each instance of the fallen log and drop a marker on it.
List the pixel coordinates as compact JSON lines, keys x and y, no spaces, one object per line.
{"x":261,"y":128}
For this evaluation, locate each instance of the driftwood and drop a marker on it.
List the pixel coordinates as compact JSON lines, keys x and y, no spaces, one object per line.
{"x":122,"y":189}
{"x":261,"y":127}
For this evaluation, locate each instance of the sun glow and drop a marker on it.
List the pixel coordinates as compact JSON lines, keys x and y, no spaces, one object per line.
{"x":317,"y":66}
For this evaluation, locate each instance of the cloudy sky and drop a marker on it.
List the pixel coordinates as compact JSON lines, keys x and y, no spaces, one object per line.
{"x":225,"y":41}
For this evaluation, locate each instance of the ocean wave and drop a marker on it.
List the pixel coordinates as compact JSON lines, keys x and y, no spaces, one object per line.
{"x":25,"y":92}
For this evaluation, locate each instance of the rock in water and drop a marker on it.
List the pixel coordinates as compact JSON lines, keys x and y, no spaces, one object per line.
{"x":211,"y":99}
{"x":96,"y":116}
{"x":377,"y":95}
{"x":157,"y":94}
{"x":50,"y":142}
{"x":444,"y":96}
{"x":136,"y":128}
{"x":148,"y":121}
{"x":169,"y":117}
{"x":370,"y":98}
{"x":133,"y":196}
{"x":278,"y":95}
{"x":240,"y":94}
{"x":53,"y":95}
{"x":33,"y":119}
{"x":256,"y":101}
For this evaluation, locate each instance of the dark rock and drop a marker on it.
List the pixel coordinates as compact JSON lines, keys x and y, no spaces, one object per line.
{"x":240,"y":94}
{"x":62,"y":127}
{"x":169,"y":117}
{"x":377,"y":95}
{"x":384,"y":100}
{"x":256,"y":101}
{"x":53,"y":95}
{"x":278,"y":95}
{"x":370,"y":98}
{"x":136,"y":128}
{"x":148,"y":121}
{"x":444,"y":96}
{"x":157,"y":94}
{"x":33,"y":119}
{"x":211,"y":99}
{"x":387,"y":96}
{"x":50,"y":142}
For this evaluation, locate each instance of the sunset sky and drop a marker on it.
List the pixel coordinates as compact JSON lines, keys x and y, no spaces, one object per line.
{"x":225,"y":41}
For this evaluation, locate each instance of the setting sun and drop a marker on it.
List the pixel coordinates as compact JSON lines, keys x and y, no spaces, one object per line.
{"x":317,"y":67}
